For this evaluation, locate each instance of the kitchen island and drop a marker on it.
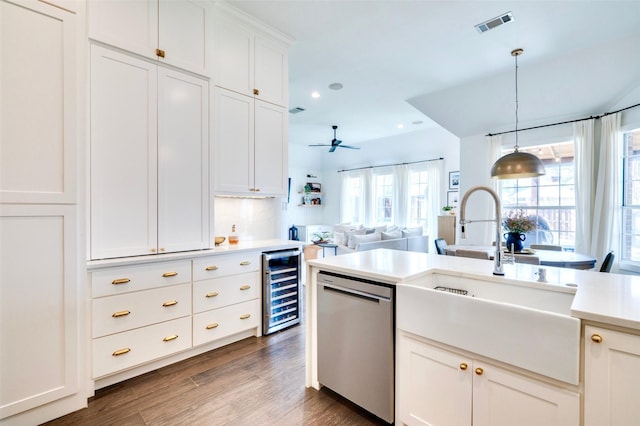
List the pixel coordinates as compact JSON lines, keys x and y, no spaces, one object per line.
{"x":602,"y":312}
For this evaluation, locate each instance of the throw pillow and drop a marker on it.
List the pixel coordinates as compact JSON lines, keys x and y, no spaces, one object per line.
{"x":367,"y":238}
{"x":393,"y":235}
{"x":338,"y":238}
{"x":349,"y":235}
{"x":412,"y":232}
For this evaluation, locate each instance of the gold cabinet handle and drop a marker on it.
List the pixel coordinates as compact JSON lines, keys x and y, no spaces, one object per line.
{"x":256,"y":91}
{"x":120,"y":281}
{"x":163,"y":249}
{"x":212,"y":294}
{"x":169,"y":274}
{"x":479,"y":371}
{"x":245,"y":287}
{"x":596,"y":338}
{"x":463,"y":366}
{"x":160,"y":53}
{"x":120,"y":314}
{"x":121,"y":352}
{"x":211,"y":268}
{"x":210,"y":326}
{"x":170,"y":338}
{"x":153,"y":250}
{"x":245,"y":263}
{"x":170,"y":303}
{"x":245,"y":316}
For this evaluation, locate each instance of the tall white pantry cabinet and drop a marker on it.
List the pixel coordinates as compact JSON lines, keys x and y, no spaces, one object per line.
{"x":43,"y":369}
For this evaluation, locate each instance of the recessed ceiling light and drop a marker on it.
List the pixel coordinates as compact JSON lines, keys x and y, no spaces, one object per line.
{"x":336,"y":86}
{"x":400,"y":126}
{"x":315,"y":95}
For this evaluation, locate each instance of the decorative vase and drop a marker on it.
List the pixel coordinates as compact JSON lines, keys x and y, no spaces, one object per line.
{"x":515,"y":239}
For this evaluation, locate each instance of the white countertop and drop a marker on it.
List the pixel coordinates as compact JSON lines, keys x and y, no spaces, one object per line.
{"x":224,"y":248}
{"x":602,"y":297}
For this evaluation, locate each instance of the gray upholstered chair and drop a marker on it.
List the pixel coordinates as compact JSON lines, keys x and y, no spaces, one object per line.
{"x":546,"y":247}
{"x":525,"y":258}
{"x":477,"y":254}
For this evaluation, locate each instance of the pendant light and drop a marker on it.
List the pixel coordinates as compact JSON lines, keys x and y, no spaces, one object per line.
{"x":517,"y":164}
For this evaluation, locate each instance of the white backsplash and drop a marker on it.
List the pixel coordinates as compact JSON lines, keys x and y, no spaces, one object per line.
{"x":255,"y":218}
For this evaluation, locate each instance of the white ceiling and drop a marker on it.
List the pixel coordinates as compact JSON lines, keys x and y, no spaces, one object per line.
{"x":406,"y":61}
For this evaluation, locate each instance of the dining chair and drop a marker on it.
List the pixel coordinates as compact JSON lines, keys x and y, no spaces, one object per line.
{"x":441,"y":245}
{"x":524,"y":258}
{"x":477,"y":254}
{"x":551,"y":247}
{"x":607,"y":262}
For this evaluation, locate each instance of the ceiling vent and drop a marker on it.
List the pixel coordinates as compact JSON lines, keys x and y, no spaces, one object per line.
{"x":495,"y":22}
{"x":296,"y":110}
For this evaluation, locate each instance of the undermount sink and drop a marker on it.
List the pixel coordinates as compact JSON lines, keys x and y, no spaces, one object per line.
{"x":525,"y":324}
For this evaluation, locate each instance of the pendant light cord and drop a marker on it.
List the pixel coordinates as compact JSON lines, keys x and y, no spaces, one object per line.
{"x":517,"y":104}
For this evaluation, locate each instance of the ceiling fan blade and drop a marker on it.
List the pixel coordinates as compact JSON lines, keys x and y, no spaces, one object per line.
{"x":333,"y":148}
{"x":347,"y":146}
{"x":320,"y":144}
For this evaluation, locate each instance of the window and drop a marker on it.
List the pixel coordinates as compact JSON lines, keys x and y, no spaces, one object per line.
{"x":383,"y":198}
{"x":631,"y":198}
{"x":549,"y":198}
{"x":418,"y":187}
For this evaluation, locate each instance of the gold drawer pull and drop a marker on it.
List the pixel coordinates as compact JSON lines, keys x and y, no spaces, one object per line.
{"x":121,"y":352}
{"x":212,"y":294}
{"x":245,"y":263}
{"x":256,"y":91}
{"x":479,"y":371}
{"x":245,"y":316}
{"x":120,"y":281}
{"x":463,"y":366}
{"x":211,"y":268}
{"x":169,"y":274}
{"x":120,"y":314}
{"x":596,"y":338}
{"x":170,"y":338}
{"x":170,"y":303}
{"x":214,"y":325}
{"x":245,"y":287}
{"x":160,"y":53}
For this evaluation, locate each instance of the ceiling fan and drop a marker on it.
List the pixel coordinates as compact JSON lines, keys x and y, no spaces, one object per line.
{"x":335,"y":143}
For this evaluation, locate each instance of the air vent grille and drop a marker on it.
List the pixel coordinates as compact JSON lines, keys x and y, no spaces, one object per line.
{"x":296,"y":110}
{"x":494,"y":22}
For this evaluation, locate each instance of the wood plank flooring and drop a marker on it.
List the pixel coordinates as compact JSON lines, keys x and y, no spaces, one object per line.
{"x":254,"y":382}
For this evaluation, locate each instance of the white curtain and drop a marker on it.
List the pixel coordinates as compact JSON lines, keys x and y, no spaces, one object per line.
{"x":401,"y":208}
{"x":583,"y":143}
{"x":607,"y":204}
{"x":435,"y":173}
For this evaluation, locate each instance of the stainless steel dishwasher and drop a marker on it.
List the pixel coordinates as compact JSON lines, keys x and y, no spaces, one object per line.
{"x":356,"y":341}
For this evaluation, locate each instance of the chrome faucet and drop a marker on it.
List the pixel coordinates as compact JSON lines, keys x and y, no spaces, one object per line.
{"x":497,"y":258}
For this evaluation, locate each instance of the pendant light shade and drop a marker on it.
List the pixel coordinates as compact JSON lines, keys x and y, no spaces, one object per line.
{"x":517,"y":164}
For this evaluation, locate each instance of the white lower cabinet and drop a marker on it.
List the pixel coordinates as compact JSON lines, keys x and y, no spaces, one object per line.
{"x":439,"y":387}
{"x":124,"y":350}
{"x":148,"y":312}
{"x":218,"y":323}
{"x":611,"y":377}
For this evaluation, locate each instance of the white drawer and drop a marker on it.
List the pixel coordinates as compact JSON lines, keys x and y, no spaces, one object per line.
{"x":223,"y":322}
{"x":220,"y":292}
{"x":134,"y":278}
{"x":226,"y":264}
{"x":123,"y":312}
{"x":124,"y":350}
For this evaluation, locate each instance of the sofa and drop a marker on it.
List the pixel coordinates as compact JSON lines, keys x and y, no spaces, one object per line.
{"x":359,"y":238}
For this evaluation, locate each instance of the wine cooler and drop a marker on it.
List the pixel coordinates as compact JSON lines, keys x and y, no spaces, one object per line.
{"x":282,"y":299}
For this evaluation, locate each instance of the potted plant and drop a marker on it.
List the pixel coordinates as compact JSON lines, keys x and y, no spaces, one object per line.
{"x":517,"y":223}
{"x":448,"y":209}
{"x":321,"y":237}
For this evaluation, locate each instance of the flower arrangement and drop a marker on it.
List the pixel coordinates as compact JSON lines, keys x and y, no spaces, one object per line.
{"x":519,"y":222}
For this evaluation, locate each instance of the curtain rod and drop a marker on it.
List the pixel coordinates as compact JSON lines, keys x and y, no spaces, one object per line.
{"x":565,"y":122}
{"x":389,"y":165}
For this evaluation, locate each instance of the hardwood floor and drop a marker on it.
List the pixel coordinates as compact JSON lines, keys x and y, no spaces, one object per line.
{"x":257,"y":381}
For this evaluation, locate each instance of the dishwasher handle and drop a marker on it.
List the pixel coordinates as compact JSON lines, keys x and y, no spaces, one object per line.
{"x":354,"y":293}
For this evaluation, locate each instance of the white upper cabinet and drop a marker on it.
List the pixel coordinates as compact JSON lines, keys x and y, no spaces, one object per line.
{"x":37,"y":109}
{"x":251,"y":145}
{"x":250,"y":61}
{"x":149,"y":157}
{"x":174,"y":32}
